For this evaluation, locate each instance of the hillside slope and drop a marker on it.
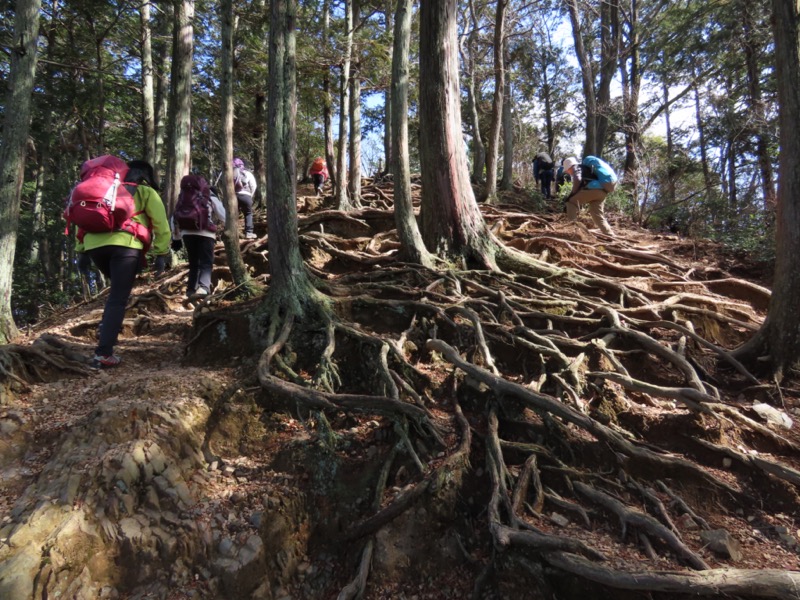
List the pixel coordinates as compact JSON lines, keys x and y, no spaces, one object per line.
{"x":578,"y":428}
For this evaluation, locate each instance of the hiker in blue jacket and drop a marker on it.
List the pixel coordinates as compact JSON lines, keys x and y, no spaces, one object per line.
{"x":589,"y":190}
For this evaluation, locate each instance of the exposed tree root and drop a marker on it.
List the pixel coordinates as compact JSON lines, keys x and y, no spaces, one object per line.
{"x":781,"y":585}
{"x":575,"y":361}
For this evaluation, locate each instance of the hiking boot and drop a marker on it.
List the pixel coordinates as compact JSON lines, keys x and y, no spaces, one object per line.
{"x":250,"y":236}
{"x":105,"y":362}
{"x":198,"y":294}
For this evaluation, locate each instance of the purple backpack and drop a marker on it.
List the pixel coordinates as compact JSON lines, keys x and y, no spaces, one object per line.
{"x":193,"y":209}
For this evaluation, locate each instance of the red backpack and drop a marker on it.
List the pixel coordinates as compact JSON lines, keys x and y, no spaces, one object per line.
{"x":193,"y":209}
{"x":318,"y":166}
{"x":100,"y":203}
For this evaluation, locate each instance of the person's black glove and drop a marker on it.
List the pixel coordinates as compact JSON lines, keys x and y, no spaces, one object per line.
{"x":84,"y":263}
{"x":176,"y":245}
{"x":160,"y":264}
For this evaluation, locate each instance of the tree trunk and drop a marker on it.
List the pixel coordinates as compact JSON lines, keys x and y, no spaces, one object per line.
{"x":780,"y":333}
{"x":327,"y":102}
{"x":16,"y":123}
{"x":259,"y":159}
{"x":508,"y":129}
{"x":231,"y":237}
{"x":587,"y":79}
{"x":354,"y":184}
{"x":354,"y":148}
{"x":344,"y":102}
{"x":490,"y":191}
{"x":479,"y":150}
{"x":610,"y":40}
{"x":388,"y":117}
{"x":757,"y":107}
{"x":701,"y":134}
{"x":670,"y":148}
{"x":162,"y":65}
{"x":452,"y":225}
{"x":179,"y":157}
{"x":630,"y":72}
{"x":412,"y":246}
{"x":290,"y":285}
{"x":148,"y":99}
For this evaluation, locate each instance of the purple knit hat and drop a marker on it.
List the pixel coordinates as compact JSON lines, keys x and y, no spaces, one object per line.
{"x":238,"y":163}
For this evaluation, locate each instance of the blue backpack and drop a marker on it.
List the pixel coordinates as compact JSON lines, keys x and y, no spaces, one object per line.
{"x":597,"y":174}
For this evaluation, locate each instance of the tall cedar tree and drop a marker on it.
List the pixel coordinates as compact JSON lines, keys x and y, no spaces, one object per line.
{"x":780,"y":334}
{"x":452,"y":225}
{"x":12,"y":149}
{"x":231,"y":237}
{"x":180,"y":109}
{"x":290,"y":285}
{"x":413,"y":247}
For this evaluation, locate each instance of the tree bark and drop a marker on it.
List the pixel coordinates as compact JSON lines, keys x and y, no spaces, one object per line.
{"x":327,"y":111}
{"x":231,"y":237}
{"x":780,"y":333}
{"x":354,"y":148}
{"x":508,"y":129}
{"x":16,"y":123}
{"x":452,"y":225}
{"x":757,"y":106}
{"x":342,"y":198}
{"x":587,"y":78}
{"x":148,"y":98}
{"x":479,"y":150}
{"x":179,"y":157}
{"x":413,"y":248}
{"x":289,"y":281}
{"x":490,"y":191}
{"x":630,"y":72}
{"x":388,"y":117}
{"x":609,"y":56}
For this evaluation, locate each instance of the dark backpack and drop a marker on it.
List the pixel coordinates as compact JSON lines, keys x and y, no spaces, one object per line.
{"x":545,"y":162}
{"x":193,"y":210}
{"x":102,"y":200}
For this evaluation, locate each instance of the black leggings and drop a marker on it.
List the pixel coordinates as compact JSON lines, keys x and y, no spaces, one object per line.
{"x":119,"y":264}
{"x":200,"y":249}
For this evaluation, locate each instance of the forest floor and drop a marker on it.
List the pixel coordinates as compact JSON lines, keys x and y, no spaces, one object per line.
{"x":564,"y":453}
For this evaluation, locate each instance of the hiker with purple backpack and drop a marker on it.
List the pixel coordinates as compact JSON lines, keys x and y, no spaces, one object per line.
{"x":197,"y":211}
{"x":120,"y":216}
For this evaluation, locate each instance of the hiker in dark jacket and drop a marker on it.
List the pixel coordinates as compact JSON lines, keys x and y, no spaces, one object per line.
{"x":199,"y":244}
{"x":544,"y":173}
{"x":118,"y":256}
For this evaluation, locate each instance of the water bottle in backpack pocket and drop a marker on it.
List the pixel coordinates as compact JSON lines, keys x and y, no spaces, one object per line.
{"x":597,"y":174}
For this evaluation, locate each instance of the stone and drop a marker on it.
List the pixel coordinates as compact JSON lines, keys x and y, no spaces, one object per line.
{"x":559,"y":520}
{"x":772,"y":415}
{"x":722,"y":543}
{"x":686,"y":522}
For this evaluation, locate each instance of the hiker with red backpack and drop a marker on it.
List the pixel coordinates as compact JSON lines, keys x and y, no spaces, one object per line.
{"x":119,"y":215}
{"x":319,"y":174}
{"x":197,"y":211}
{"x":592,"y":180}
